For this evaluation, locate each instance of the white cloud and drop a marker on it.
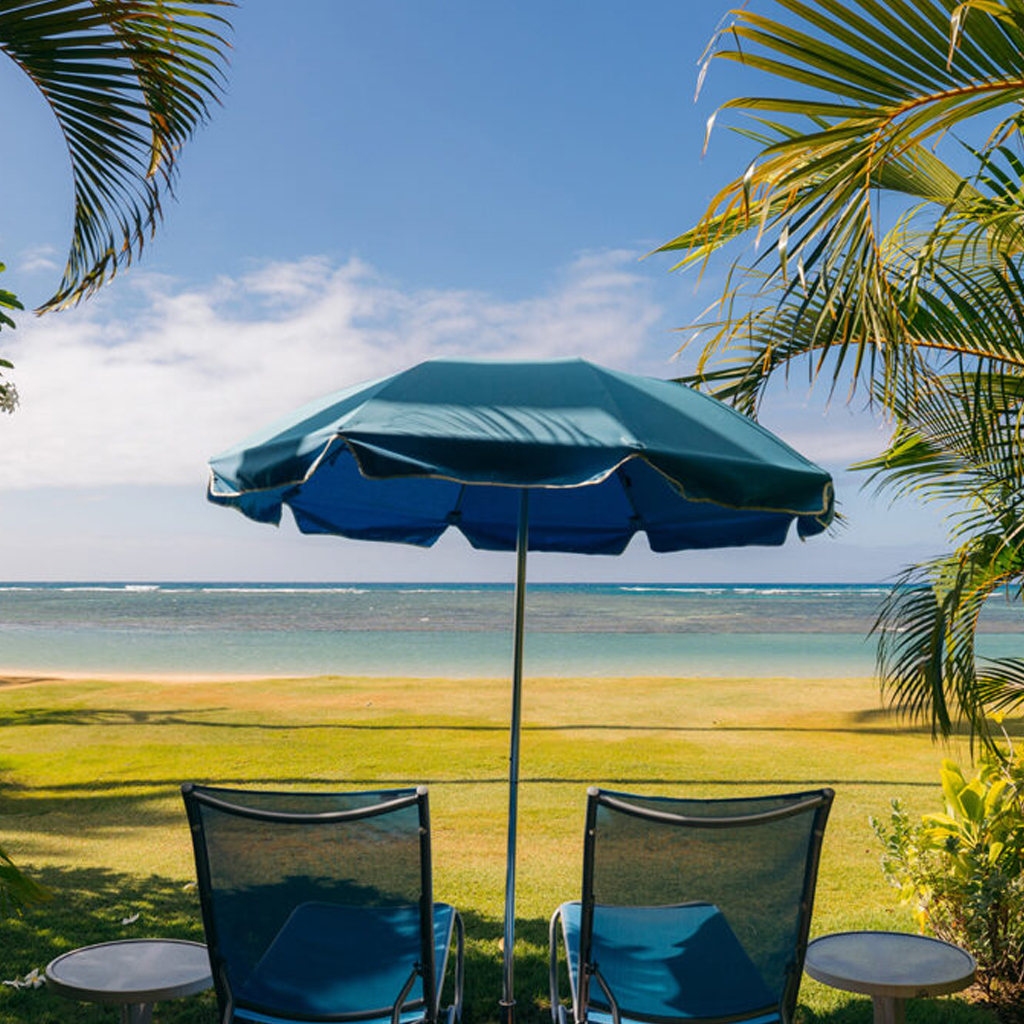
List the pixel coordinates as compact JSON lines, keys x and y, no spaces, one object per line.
{"x":834,"y":446}
{"x":826,"y":430}
{"x":146,"y":381}
{"x":40,"y":257}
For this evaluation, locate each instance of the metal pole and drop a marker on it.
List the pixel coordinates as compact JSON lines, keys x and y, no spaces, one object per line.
{"x":507,"y":1001}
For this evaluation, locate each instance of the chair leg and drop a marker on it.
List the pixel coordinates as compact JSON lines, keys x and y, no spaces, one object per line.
{"x":556,"y":996}
{"x":460,"y":943}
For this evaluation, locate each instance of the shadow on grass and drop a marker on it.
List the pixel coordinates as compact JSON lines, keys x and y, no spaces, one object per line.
{"x":869,"y":721}
{"x":107,"y":716}
{"x":28,"y":810}
{"x":902,"y":723}
{"x":98,"y":806}
{"x":89,"y":905}
{"x":858,"y":1010}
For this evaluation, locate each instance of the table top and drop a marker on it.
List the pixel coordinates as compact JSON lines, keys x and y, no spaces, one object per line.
{"x":131,"y":971}
{"x":894,"y":964}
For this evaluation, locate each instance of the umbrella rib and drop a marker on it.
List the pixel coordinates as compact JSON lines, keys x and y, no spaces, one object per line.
{"x":611,"y":399}
{"x":455,"y":515}
{"x":627,"y":490}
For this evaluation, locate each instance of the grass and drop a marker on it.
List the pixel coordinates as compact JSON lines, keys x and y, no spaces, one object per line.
{"x":90,"y":770}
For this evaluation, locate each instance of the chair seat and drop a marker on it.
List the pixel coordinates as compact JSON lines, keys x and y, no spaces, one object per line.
{"x":330,"y":960}
{"x":679,"y":962}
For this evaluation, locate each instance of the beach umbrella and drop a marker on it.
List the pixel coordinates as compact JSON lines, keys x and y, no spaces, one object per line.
{"x":559,"y":455}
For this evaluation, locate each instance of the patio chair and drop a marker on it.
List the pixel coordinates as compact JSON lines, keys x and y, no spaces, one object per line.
{"x":319,"y":907}
{"x":693,"y":911}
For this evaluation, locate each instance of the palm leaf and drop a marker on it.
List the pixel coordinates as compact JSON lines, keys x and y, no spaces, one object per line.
{"x":935,"y":302}
{"x":881,"y":87}
{"x":17,"y":890}
{"x":926,"y":637}
{"x":958,"y":440}
{"x":129,"y":81}
{"x":1000,"y":683}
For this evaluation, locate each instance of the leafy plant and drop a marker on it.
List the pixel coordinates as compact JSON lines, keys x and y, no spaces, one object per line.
{"x":962,"y":871}
{"x":8,"y":392}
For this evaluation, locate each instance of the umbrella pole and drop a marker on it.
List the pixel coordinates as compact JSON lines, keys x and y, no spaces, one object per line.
{"x":507,"y":1001}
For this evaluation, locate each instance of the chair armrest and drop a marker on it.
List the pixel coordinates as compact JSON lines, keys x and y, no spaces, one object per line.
{"x":616,"y":1017}
{"x":396,"y":1010}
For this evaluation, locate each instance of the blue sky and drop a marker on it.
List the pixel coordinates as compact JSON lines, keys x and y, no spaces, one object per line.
{"x":386,"y":181}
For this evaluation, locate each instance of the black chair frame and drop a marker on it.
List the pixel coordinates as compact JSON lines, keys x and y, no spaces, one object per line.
{"x":424,"y":968}
{"x":818,"y":800}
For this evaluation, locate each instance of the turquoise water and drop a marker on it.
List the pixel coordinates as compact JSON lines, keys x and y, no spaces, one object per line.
{"x":805,"y":631}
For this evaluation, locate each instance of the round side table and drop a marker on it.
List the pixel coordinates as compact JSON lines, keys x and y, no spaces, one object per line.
{"x":132,"y":973}
{"x":891,"y":967}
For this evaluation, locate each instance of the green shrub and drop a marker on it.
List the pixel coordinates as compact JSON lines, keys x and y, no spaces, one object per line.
{"x":961,"y":870}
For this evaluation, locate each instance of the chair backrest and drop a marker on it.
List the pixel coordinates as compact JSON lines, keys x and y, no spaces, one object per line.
{"x":261,"y":856}
{"x":749,"y":863}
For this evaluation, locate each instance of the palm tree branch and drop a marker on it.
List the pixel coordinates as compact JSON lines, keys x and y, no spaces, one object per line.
{"x":128,"y":83}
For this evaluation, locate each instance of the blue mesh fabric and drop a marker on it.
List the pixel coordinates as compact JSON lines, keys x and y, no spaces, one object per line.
{"x":330,"y":959}
{"x":680,"y":962}
{"x":308,"y":919}
{"x":697,"y":922}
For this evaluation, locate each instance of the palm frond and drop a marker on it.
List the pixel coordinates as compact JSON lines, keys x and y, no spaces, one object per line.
{"x":129,"y":81}
{"x":18,"y":890}
{"x":881,"y":87}
{"x":926,"y":636}
{"x":1000,"y":683}
{"x":918,"y":299}
{"x":958,"y":441}
{"x":964,"y":302}
{"x":960,"y":444}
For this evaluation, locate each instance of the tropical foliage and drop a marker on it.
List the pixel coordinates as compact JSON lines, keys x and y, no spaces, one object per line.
{"x":17,"y":890}
{"x":128,"y":82}
{"x":962,"y":870}
{"x":886,"y":201}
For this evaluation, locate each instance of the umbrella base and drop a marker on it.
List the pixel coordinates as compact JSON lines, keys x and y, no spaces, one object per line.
{"x":508,"y":1011}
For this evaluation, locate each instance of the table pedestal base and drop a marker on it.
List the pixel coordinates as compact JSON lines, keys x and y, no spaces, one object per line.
{"x":889,"y":1010}
{"x":137,"y":1013}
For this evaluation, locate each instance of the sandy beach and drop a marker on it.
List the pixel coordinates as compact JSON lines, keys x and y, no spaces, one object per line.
{"x":21,"y":677}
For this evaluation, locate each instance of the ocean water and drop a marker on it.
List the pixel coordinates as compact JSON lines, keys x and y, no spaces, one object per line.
{"x":629,"y":629}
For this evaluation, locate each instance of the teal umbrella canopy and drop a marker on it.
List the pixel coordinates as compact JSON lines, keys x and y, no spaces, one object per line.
{"x":605,"y":454}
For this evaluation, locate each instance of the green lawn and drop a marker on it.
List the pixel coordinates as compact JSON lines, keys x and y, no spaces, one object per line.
{"x":89,"y":777}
